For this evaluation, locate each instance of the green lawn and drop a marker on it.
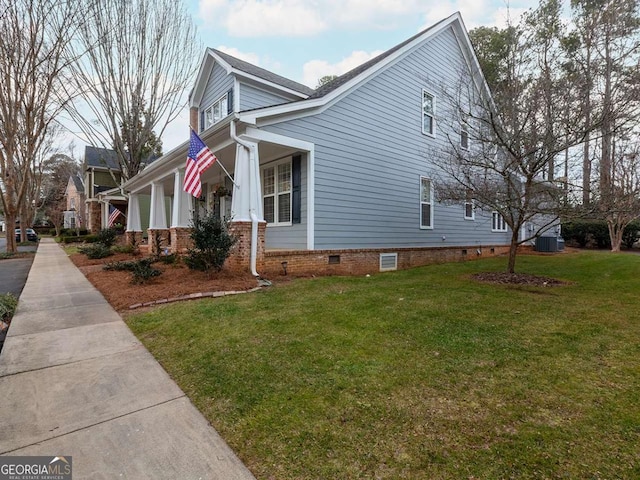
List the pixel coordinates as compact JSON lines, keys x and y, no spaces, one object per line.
{"x":420,"y":374}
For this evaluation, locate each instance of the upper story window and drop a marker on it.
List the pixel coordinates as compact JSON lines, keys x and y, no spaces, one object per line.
{"x":497,"y":223}
{"x":469,"y":210}
{"x":426,"y":203}
{"x":73,"y":204}
{"x":216,"y":112}
{"x":276,"y":191}
{"x":428,"y":113}
{"x":464,"y":137}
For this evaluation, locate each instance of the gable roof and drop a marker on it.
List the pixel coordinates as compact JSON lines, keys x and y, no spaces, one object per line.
{"x":352,"y":79}
{"x":344,"y":78}
{"x":259,"y":72}
{"x":77,"y":182}
{"x":95,"y":157}
{"x":240,"y":68}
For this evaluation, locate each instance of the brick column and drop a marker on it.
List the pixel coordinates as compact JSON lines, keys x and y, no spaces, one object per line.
{"x":180,"y":239}
{"x":165,"y":239}
{"x":193,"y":118}
{"x":94,"y":223}
{"x":133,"y":238}
{"x":240,"y":258}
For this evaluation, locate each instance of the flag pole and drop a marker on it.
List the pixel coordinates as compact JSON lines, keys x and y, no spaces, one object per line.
{"x":220,"y":163}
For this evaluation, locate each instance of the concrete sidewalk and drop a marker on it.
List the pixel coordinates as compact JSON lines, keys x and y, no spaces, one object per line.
{"x":74,"y":381}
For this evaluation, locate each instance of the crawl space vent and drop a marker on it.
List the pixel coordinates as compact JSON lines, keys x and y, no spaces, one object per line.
{"x":388,"y":262}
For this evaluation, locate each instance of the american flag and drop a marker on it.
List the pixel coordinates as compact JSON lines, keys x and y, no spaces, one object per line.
{"x":199,"y":159}
{"x":114,"y":213}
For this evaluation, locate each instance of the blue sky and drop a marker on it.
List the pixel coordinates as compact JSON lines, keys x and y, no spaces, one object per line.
{"x":306,"y":39}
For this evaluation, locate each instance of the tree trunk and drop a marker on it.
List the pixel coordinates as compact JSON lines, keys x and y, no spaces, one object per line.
{"x":615,"y":234}
{"x":10,"y":222}
{"x":513,"y":251}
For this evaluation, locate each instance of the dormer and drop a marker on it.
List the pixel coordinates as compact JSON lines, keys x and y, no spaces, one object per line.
{"x":226,"y":85}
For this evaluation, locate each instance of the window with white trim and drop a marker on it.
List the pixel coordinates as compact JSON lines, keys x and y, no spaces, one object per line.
{"x":428,"y":113}
{"x":426,"y":203}
{"x":497,"y":223}
{"x":464,"y":137}
{"x":216,"y":112}
{"x":276,"y":193}
{"x":469,"y":210}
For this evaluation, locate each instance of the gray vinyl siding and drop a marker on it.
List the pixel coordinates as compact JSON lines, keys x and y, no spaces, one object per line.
{"x":291,"y":237}
{"x":219,"y":83}
{"x":254,"y":97}
{"x":370,"y":153}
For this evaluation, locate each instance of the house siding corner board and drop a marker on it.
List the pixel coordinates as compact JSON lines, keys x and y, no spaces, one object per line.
{"x":370,"y":153}
{"x":254,"y":97}
{"x":367,"y":261}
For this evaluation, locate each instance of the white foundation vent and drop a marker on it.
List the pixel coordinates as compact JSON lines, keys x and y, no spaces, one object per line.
{"x":388,"y":262}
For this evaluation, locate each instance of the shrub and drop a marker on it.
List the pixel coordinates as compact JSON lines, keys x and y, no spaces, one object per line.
{"x":80,"y":239}
{"x":95,"y":250}
{"x":212,"y":244}
{"x":143,"y":271}
{"x":130,"y":249}
{"x":631,"y":234}
{"x":8,"y":304}
{"x":128,"y":265}
{"x":169,"y":259}
{"x":577,"y":232}
{"x":107,"y":236}
{"x":584,"y":232}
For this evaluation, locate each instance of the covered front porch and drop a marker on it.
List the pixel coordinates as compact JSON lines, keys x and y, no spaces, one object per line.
{"x":266,"y":195}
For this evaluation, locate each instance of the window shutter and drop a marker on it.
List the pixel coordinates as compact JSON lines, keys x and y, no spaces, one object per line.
{"x":230,"y":101}
{"x":296,"y":194}
{"x":201,"y":126}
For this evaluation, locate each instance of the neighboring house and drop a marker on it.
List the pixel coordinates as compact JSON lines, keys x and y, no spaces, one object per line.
{"x":75,"y":214}
{"x":338,"y":179}
{"x":102,"y":178}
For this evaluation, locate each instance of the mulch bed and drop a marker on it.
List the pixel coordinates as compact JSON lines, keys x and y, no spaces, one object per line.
{"x":504,"y":278}
{"x":175,"y":281}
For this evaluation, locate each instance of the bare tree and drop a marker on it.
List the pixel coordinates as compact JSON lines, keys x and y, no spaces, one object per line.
{"x":506,"y":165}
{"x":137,"y":59}
{"x":620,"y":203}
{"x":33,"y":43}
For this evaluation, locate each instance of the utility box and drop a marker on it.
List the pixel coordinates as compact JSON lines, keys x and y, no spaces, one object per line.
{"x":546,"y":244}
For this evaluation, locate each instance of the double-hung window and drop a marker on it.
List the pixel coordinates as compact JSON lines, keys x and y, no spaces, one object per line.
{"x":469,"y":210}
{"x":497,"y":223}
{"x":464,"y":137}
{"x":426,"y":203}
{"x":276,"y":191}
{"x":216,"y":112}
{"x":428,"y":113}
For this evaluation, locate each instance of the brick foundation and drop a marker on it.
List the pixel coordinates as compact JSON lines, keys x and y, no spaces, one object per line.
{"x":133,"y":238}
{"x":180,"y":239}
{"x":94,"y":223}
{"x":240,"y":258}
{"x":363,"y":261}
{"x":165,"y":239}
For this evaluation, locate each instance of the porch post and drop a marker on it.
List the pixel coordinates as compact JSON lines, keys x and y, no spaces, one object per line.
{"x":158,"y":232}
{"x":104,"y":222}
{"x":181,"y":214}
{"x":134,"y":228}
{"x":246,"y":208}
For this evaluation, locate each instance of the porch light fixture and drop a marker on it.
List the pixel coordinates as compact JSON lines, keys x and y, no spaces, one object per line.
{"x":284,"y":266}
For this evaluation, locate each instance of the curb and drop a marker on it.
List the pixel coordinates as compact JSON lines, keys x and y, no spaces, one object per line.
{"x":192,"y":296}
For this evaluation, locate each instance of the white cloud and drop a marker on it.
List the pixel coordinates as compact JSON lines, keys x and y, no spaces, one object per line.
{"x":252,"y":58}
{"x":295,"y":18}
{"x":267,"y":18}
{"x":313,"y":70}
